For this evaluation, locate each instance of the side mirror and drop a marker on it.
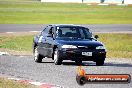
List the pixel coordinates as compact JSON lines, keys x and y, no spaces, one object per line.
{"x":96,"y":36}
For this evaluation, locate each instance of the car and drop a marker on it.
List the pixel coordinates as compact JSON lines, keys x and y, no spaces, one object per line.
{"x":68,"y":42}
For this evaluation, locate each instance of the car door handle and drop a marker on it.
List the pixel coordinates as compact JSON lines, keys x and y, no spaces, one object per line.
{"x":44,"y":39}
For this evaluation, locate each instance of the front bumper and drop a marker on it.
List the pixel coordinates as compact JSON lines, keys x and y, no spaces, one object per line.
{"x":74,"y":54}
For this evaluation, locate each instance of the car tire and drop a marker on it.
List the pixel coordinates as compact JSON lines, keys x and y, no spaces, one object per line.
{"x":100,"y":63}
{"x":78,"y":62}
{"x":56,"y":57}
{"x":37,"y":57}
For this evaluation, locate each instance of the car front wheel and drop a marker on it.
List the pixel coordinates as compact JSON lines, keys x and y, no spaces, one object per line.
{"x":37,"y":57}
{"x":99,"y":62}
{"x":56,"y":57}
{"x":78,"y":62}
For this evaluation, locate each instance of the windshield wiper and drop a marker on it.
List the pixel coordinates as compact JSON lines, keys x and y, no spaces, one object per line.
{"x":89,"y":38}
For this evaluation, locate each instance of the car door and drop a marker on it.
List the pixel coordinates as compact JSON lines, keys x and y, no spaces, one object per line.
{"x":50,"y":42}
{"x":42,"y":42}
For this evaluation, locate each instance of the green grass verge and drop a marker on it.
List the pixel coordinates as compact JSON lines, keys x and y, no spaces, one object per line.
{"x":35,"y":12}
{"x":118,"y":45}
{"x":5,"y":83}
{"x":21,"y":43}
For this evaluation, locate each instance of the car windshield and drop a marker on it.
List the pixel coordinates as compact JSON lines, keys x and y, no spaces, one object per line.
{"x":73,"y":32}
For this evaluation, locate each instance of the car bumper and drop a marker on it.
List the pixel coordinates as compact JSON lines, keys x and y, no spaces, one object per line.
{"x":74,"y":54}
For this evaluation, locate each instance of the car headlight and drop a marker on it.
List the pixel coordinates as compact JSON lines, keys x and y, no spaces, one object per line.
{"x":68,"y":46}
{"x":100,"y":47}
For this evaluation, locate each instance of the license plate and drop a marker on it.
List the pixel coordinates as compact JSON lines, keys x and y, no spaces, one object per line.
{"x":87,"y":53}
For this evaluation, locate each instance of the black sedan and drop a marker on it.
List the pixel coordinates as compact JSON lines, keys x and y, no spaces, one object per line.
{"x":68,"y":42}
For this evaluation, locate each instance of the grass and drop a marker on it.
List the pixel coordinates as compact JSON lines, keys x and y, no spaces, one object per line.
{"x":35,"y":12}
{"x":118,"y":45}
{"x":21,"y":43}
{"x":5,"y":83}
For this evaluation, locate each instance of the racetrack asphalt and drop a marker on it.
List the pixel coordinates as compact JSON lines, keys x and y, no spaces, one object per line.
{"x":64,"y":75}
{"x":38,"y":27}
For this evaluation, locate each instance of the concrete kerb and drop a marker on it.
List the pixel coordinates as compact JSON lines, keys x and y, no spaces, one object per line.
{"x":39,"y":84}
{"x":26,"y":81}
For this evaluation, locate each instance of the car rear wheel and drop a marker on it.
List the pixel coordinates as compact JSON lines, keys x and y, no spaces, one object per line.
{"x":37,"y":57}
{"x":56,"y":57}
{"x":100,"y":63}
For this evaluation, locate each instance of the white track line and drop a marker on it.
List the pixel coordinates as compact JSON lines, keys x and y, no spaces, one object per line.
{"x":34,"y":31}
{"x":22,"y":32}
{"x":10,"y":32}
{"x":14,"y":79}
{"x":3,"y":53}
{"x":95,"y":32}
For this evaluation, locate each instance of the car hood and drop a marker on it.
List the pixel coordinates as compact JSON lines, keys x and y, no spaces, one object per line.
{"x":80,"y":42}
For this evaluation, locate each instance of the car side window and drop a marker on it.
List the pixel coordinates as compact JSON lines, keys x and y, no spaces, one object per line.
{"x":43,"y":31}
{"x":46,"y":31}
{"x":51,"y":30}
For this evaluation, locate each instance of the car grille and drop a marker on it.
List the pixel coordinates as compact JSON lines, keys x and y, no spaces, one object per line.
{"x":87,"y":47}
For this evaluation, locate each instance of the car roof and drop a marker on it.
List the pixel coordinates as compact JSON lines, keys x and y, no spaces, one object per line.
{"x":65,"y":25}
